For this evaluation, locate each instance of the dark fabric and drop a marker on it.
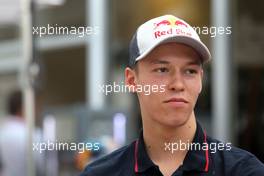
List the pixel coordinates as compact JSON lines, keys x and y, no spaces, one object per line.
{"x":133,"y":160}
{"x":133,"y":51}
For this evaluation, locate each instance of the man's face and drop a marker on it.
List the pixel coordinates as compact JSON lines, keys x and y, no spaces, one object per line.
{"x":178,"y":68}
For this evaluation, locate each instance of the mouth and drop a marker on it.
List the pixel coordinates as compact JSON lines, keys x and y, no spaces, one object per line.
{"x":176,"y":100}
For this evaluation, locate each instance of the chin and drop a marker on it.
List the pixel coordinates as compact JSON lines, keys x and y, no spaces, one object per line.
{"x":176,"y":119}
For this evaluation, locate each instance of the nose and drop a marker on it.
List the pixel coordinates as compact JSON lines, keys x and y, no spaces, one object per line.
{"x":176,"y":82}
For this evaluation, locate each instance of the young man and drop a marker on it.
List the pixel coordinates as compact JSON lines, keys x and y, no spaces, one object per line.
{"x":167,"y":53}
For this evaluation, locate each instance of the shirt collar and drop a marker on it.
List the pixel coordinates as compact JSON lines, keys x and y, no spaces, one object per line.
{"x":198,"y":159}
{"x":195,"y":159}
{"x":142,"y":160}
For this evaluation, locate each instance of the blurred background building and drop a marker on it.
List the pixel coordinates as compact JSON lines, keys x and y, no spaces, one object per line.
{"x":69,"y":106}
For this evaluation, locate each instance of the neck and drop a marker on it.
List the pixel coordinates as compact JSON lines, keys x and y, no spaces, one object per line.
{"x":157,"y":137}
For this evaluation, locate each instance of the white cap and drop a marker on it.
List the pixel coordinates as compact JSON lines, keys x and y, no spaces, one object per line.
{"x":164,"y":29}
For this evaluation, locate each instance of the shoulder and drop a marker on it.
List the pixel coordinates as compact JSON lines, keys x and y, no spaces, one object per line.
{"x":113,"y":163}
{"x":244,"y":162}
{"x":234,"y":160}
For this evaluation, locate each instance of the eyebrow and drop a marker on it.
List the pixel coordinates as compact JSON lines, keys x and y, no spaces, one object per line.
{"x":192,"y":62}
{"x":159,"y":62}
{"x":196,"y":62}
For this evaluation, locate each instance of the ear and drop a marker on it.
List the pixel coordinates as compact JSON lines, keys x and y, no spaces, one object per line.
{"x":201,"y":74}
{"x":130,"y":78}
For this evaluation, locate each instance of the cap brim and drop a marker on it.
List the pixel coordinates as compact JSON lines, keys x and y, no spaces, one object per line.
{"x":197,"y":45}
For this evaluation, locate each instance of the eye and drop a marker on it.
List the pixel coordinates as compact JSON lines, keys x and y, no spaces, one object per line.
{"x":191,"y":71}
{"x":161,"y":70}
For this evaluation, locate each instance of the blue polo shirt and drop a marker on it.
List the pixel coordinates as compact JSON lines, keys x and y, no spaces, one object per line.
{"x":133,"y":160}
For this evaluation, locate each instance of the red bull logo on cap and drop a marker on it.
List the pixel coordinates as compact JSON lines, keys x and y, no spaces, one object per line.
{"x":180,"y":23}
{"x":163,"y":22}
{"x":170,"y":22}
